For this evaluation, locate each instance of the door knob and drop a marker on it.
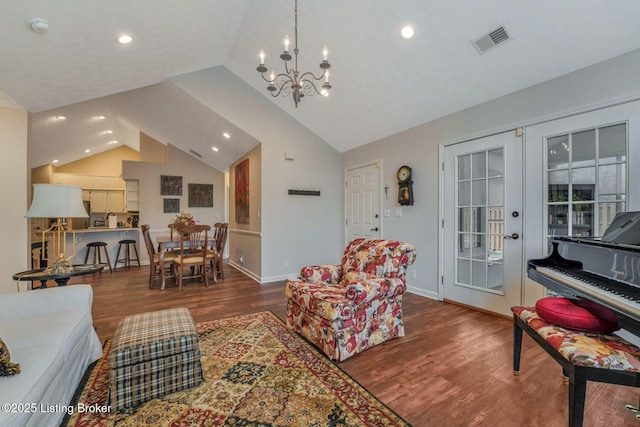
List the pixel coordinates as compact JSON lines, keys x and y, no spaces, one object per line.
{"x":513,"y":236}
{"x":374,"y":229}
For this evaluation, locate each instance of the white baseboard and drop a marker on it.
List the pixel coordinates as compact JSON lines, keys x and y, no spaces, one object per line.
{"x":422,"y":292}
{"x":244,"y":271}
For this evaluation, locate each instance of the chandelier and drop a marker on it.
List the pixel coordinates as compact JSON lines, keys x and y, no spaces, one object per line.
{"x":292,"y":81}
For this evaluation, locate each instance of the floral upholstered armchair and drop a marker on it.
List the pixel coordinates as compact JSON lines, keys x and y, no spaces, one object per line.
{"x":345,"y":309}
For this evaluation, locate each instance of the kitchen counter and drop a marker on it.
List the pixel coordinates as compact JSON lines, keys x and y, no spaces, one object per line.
{"x":111,"y":236}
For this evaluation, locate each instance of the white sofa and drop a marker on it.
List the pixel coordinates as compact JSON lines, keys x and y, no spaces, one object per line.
{"x":50,"y":333}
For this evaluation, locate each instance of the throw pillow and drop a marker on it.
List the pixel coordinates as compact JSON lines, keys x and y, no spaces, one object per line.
{"x":7,"y":368}
{"x":579,"y":315}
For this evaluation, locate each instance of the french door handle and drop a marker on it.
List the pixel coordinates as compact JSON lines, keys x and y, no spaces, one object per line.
{"x":374,"y":229}
{"x":513,"y":236}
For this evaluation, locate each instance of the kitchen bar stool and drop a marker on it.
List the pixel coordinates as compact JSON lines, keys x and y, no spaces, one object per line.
{"x":127,"y":253}
{"x":96,"y":253}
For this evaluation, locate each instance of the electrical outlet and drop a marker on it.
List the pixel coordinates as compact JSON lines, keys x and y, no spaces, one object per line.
{"x":398,"y":212}
{"x":413,"y":274}
{"x":241,"y":259}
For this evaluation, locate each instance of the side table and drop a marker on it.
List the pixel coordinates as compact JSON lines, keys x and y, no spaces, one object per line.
{"x":61,"y":279}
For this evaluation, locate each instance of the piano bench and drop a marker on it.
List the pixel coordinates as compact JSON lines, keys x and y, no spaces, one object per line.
{"x":584,"y":356}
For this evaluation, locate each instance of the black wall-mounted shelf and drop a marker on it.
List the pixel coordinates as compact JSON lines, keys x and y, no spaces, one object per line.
{"x":304,"y":192}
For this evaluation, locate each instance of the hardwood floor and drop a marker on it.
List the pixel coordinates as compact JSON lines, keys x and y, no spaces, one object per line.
{"x":453,"y":367}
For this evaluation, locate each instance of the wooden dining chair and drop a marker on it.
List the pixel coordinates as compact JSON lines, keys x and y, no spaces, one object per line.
{"x":194,"y":242}
{"x":154,"y":257}
{"x":220,"y":234}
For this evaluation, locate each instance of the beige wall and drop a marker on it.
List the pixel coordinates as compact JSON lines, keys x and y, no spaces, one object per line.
{"x":14,"y":249}
{"x":106,"y":163}
{"x":245,"y":241}
{"x":151,"y":150}
{"x":42,"y":175}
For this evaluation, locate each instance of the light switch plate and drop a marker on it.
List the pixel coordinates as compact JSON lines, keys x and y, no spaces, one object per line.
{"x":398,"y":212}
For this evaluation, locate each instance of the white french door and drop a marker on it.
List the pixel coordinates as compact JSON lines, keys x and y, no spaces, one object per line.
{"x":482,"y":223}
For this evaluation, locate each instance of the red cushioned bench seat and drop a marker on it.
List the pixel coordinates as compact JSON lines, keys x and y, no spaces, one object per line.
{"x":584,"y":356}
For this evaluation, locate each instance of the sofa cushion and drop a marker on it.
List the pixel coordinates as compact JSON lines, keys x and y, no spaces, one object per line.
{"x":63,"y":329}
{"x":7,"y":368}
{"x":569,"y":314}
{"x":40,"y":364}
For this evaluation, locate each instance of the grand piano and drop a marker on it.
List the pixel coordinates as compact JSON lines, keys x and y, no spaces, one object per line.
{"x":605,"y":270}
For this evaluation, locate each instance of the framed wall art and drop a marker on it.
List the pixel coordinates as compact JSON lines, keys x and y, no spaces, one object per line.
{"x":171,"y":205}
{"x":200,"y":195}
{"x":242,"y":192}
{"x":170,"y":185}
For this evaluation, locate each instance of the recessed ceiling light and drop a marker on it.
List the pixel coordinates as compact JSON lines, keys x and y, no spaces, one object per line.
{"x":112,"y":142}
{"x":124,"y":39}
{"x":61,"y":118}
{"x":215,"y":149}
{"x":226,"y":135}
{"x":87,"y":150}
{"x":54,"y":161}
{"x":108,"y":131}
{"x":100,"y":117}
{"x":407,"y":32}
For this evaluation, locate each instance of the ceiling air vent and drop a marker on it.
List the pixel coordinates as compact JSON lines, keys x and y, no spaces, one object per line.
{"x":195,"y":153}
{"x":491,"y":40}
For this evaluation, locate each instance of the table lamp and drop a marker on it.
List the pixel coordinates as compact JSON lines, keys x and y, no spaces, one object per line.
{"x":59,"y":202}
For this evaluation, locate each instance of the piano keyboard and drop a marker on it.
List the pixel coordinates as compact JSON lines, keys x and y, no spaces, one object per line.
{"x":612,"y":293}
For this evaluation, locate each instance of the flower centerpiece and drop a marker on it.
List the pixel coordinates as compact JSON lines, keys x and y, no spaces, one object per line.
{"x":184,"y":218}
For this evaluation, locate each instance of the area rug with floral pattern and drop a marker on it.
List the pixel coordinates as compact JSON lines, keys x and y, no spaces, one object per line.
{"x":257,"y":372}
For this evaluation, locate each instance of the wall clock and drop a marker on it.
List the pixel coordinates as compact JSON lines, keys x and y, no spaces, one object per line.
{"x":405,"y":186}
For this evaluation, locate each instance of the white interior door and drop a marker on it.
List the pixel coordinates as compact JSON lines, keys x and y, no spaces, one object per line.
{"x":363,"y":202}
{"x":482,"y":224}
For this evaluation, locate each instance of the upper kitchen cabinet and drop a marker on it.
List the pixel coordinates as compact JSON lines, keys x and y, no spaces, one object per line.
{"x":104,"y":201}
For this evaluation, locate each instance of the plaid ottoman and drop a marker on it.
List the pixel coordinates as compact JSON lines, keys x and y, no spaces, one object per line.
{"x":153,"y":354}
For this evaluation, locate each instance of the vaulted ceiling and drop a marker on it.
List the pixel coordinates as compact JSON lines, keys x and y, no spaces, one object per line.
{"x":382,"y":84}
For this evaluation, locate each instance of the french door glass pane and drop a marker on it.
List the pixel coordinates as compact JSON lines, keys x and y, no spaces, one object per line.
{"x":496,"y":163}
{"x":494,"y":276}
{"x":479,"y":192}
{"x":586,"y":180}
{"x":480,"y":227}
{"x":464,"y":193}
{"x":496,"y":191}
{"x":479,"y":220}
{"x":586,"y":176}
{"x":558,"y":152}
{"x":464,"y":167}
{"x":479,"y":247}
{"x":583,"y":148}
{"x":479,"y":166}
{"x":464,"y":220}
{"x":464,"y":272}
{"x":479,"y":274}
{"x":613,"y":143}
{"x":612,"y":180}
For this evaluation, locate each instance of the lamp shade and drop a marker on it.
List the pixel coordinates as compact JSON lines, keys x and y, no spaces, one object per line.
{"x":56,"y":201}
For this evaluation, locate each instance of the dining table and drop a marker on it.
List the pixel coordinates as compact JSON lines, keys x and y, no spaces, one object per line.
{"x":172,"y":241}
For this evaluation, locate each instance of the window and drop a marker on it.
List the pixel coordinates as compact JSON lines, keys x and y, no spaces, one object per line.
{"x":586,"y":180}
